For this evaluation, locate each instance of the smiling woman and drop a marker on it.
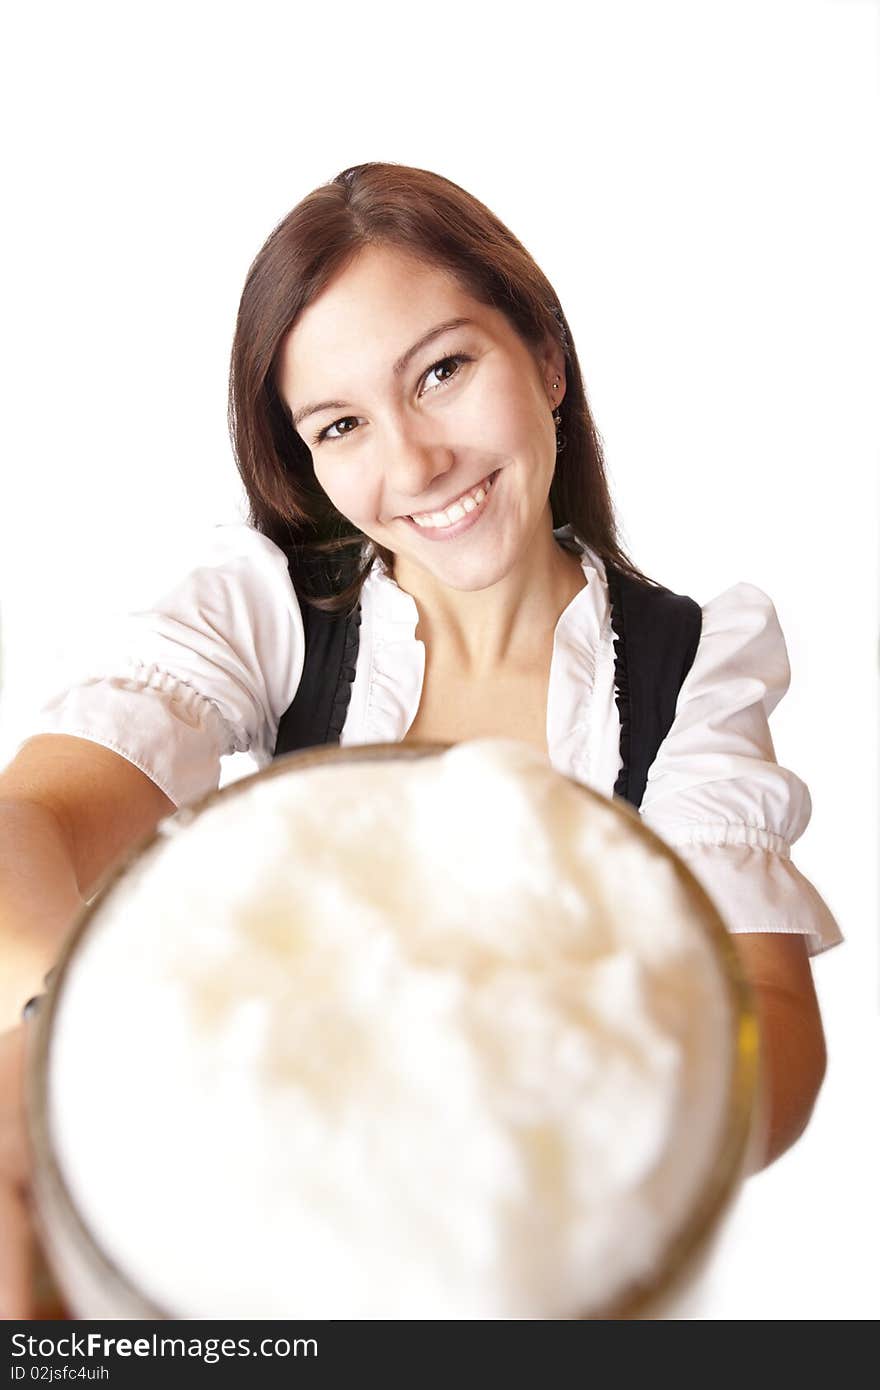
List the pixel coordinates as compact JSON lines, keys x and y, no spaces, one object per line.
{"x":417,"y":445}
{"x":432,"y":554}
{"x":450,"y":355}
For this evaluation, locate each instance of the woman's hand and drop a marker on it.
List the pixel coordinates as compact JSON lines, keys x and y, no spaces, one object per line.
{"x":68,"y":809}
{"x":792,"y":1040}
{"x":17,"y":1245}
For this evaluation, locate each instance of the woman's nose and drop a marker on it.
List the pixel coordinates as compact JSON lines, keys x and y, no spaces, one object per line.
{"x":414,"y":458}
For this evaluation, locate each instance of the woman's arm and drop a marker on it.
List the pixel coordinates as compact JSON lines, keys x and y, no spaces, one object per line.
{"x":792,"y":1039}
{"x":68,"y":809}
{"x":17,"y":1245}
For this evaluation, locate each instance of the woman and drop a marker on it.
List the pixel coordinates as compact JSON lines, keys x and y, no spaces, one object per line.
{"x":433,"y":555}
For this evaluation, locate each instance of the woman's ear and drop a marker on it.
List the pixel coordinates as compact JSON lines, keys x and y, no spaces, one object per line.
{"x":553,"y":372}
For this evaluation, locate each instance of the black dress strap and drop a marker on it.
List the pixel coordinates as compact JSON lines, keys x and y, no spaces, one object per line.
{"x":657,"y":634}
{"x":317,"y":713}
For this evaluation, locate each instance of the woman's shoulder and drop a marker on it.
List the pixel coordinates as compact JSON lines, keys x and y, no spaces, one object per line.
{"x":741,"y":597}
{"x":225,"y":542}
{"x":228,"y":568}
{"x":736,"y":634}
{"x":742,"y":615}
{"x":741,"y":603}
{"x":732,"y":637}
{"x":742,"y":648}
{"x":203,"y":664}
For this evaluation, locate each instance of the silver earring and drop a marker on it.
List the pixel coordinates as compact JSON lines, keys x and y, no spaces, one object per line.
{"x":557,"y":420}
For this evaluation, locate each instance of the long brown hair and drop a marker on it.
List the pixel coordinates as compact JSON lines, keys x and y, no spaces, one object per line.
{"x":422,"y":213}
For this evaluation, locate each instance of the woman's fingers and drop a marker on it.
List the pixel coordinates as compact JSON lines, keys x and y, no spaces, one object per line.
{"x":16,"y":1255}
{"x":17,"y":1244}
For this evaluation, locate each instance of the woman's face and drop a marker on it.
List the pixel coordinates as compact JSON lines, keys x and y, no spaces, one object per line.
{"x":411,"y":417}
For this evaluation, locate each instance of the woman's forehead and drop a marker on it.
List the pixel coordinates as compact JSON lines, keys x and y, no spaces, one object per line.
{"x":372,"y":312}
{"x":382,"y":286}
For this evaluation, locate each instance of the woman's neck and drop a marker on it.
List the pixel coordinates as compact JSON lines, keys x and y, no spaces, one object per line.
{"x":507,"y":623}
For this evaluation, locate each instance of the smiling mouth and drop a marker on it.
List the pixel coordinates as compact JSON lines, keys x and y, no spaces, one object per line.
{"x":464,"y":504}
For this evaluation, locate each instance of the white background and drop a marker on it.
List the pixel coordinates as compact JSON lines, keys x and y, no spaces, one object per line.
{"x":699,"y":181}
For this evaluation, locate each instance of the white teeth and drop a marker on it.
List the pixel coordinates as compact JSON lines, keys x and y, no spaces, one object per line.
{"x":439,"y":520}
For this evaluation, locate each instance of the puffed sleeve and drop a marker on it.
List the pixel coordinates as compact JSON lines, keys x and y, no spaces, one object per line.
{"x":715,"y":792}
{"x":206,"y":671}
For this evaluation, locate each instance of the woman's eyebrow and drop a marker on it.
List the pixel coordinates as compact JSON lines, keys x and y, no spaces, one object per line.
{"x":403,"y":362}
{"x":400,"y":366}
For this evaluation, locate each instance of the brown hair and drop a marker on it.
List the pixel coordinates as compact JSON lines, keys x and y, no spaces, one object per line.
{"x":430,"y":216}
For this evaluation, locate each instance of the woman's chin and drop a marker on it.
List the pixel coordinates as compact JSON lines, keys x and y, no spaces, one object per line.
{"x":468,"y":573}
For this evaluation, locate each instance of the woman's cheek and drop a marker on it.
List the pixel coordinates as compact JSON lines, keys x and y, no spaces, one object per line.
{"x":502,"y":421}
{"x":347,"y":495}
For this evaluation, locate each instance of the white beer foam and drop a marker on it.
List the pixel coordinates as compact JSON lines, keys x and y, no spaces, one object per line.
{"x":435,"y":1038}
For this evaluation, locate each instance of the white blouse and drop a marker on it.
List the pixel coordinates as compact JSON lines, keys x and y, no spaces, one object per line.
{"x":211,"y":668}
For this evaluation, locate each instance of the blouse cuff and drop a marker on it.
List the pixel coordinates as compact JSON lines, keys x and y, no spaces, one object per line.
{"x":164,"y":727}
{"x":760,"y":890}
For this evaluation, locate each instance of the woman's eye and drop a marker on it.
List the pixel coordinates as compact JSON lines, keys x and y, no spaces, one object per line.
{"x":325,"y":433}
{"x":455,"y":361}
